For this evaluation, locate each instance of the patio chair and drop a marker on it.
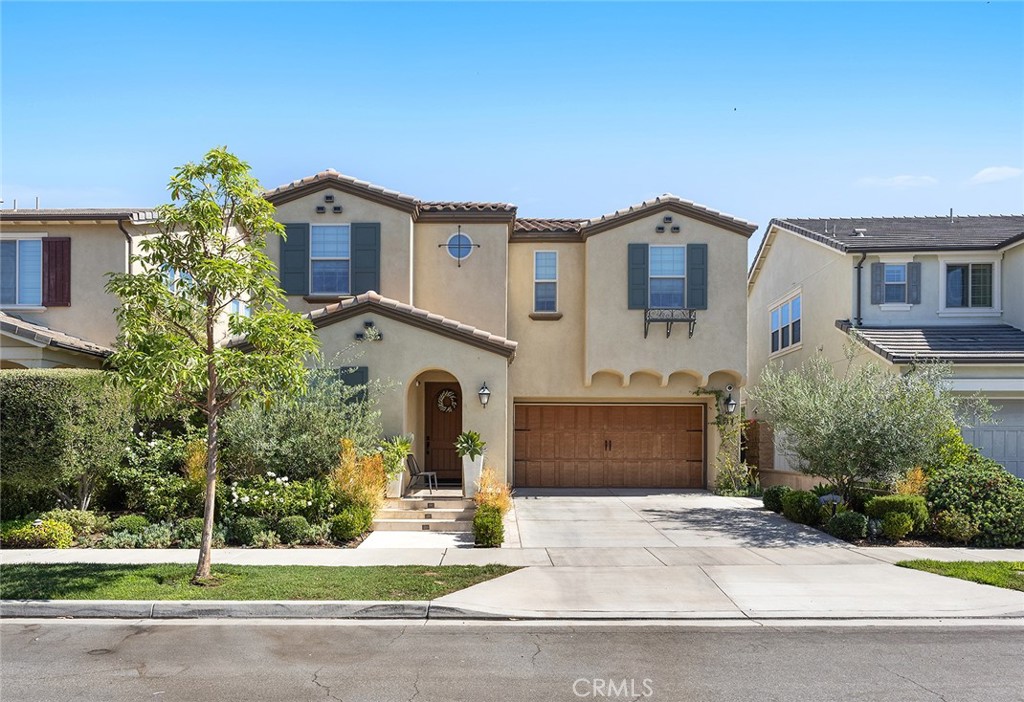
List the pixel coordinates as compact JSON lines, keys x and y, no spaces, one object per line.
{"x":417,"y":473}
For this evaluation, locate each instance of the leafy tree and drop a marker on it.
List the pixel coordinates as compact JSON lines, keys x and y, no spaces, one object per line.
{"x":208,"y":251}
{"x":865,"y":424}
{"x":63,"y":430}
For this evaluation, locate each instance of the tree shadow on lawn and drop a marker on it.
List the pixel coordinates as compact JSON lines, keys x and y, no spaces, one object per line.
{"x":743,"y":527}
{"x":60,"y":581}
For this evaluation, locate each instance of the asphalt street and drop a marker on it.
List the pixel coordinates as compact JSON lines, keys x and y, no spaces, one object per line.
{"x":100,"y":660}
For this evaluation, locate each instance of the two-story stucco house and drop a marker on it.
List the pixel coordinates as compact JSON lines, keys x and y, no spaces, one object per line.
{"x":577,"y":348}
{"x":914,"y":288}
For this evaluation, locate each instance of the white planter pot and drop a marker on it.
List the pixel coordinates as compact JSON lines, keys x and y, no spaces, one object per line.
{"x":471,"y":470}
{"x":396,"y":485}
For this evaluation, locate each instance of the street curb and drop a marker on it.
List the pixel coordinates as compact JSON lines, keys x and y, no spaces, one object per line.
{"x":388,"y":610}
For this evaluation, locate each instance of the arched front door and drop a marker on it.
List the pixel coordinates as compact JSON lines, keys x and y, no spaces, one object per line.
{"x":443,"y":423}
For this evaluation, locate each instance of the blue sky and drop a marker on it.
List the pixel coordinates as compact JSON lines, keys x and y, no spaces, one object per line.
{"x":757,"y":109}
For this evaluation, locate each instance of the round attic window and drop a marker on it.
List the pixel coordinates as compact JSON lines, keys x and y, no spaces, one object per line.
{"x":460,"y":246}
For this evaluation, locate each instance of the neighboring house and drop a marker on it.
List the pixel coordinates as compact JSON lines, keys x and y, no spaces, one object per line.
{"x":54,"y":311}
{"x":594,"y":338}
{"x":914,"y":289}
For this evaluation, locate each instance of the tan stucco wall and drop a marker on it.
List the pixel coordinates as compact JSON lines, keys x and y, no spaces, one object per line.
{"x":474,"y":293}
{"x":614,"y":333}
{"x":404,"y":353}
{"x":96,"y":249}
{"x":395,"y":236}
{"x":15,"y":353}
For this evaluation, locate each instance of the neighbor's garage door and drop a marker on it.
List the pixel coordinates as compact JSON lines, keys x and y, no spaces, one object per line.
{"x":1003,"y":440}
{"x":657,"y":446}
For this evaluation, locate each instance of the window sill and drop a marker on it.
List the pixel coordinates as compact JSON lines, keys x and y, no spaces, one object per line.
{"x":968,"y":312}
{"x":327,"y":298}
{"x":895,"y":307}
{"x":23,"y":308}
{"x":789,"y":349}
{"x":545,"y":316}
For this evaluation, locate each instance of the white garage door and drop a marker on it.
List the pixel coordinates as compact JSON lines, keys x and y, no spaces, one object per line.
{"x":1002,"y":441}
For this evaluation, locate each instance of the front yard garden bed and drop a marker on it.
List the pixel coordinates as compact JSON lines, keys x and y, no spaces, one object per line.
{"x":81,"y":581}
{"x":1005,"y":574}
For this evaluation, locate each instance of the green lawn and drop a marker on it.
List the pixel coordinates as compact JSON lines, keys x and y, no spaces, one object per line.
{"x":79,"y":581}
{"x":1006,"y":574}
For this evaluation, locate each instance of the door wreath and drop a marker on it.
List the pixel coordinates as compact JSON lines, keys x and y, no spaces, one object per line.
{"x":447,"y":401}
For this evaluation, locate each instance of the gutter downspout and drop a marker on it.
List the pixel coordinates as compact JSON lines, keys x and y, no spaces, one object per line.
{"x":128,"y":237}
{"x":860,"y":271}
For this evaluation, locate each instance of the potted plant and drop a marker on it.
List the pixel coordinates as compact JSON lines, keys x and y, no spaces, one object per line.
{"x":394,"y":451}
{"x":470,"y":448}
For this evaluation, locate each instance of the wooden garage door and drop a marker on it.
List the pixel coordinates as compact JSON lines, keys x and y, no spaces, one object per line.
{"x":609,"y":446}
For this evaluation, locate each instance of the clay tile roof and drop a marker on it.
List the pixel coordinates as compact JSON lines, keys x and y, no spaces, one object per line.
{"x":331,"y":178}
{"x":38,"y":334}
{"x":403,"y":312}
{"x":997,"y":343}
{"x":942,"y":233}
{"x":79,"y":214}
{"x":687,"y":208}
{"x":525,"y":225}
{"x":466,"y":207}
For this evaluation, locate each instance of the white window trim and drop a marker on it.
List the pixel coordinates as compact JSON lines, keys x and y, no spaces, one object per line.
{"x":895,"y":307}
{"x":650,"y":276}
{"x":996,"y":310}
{"x":17,"y":237}
{"x":535,"y":281}
{"x":330,"y":258}
{"x":447,"y":246}
{"x":777,"y":305}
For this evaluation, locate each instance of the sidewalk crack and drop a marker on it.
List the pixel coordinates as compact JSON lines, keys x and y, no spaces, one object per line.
{"x":914,"y":682}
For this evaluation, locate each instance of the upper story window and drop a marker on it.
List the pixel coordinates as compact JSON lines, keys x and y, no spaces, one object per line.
{"x":785,"y":328}
{"x":895,"y":282}
{"x":545,"y":281}
{"x":173,"y":278}
{"x":240,"y":307}
{"x":667,"y":277}
{"x":459,"y":246}
{"x":21,"y":272}
{"x":330,"y":259}
{"x":970,"y":285}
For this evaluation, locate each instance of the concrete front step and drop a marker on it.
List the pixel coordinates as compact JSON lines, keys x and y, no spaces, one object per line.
{"x":449,"y":526}
{"x":449,"y":514}
{"x":429,"y":503}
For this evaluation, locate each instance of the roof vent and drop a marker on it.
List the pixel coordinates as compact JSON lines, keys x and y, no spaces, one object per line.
{"x":859,"y":232}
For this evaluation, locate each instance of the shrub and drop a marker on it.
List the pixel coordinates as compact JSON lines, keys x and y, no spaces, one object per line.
{"x":352,"y":522}
{"x":65,"y":430}
{"x":131,"y":523}
{"x":468,"y":444}
{"x":189,"y":532}
{"x":81,"y":522}
{"x":25,"y":534}
{"x":299,"y":437}
{"x":273,"y":497}
{"x":360,"y":480}
{"x":156,"y":536}
{"x":265,"y":539}
{"x":982,"y":490}
{"x":243,"y":530}
{"x":848,"y":526}
{"x":293,"y":530}
{"x":914,"y":506}
{"x":319,"y":533}
{"x":915,"y":482}
{"x":829,"y":511}
{"x":120,"y":539}
{"x":488,"y":527}
{"x":801,"y":506}
{"x":896,"y":525}
{"x":493,"y":491}
{"x":160,"y":477}
{"x":773,"y":497}
{"x":955,"y":526}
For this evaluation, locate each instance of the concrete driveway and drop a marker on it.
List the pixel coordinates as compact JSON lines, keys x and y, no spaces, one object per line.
{"x":624,"y":518}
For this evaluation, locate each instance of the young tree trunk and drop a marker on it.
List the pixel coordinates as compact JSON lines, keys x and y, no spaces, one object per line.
{"x":212,"y":418}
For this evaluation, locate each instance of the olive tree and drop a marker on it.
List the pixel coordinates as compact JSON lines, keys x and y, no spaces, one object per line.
{"x":863,"y":422}
{"x":207,"y":251}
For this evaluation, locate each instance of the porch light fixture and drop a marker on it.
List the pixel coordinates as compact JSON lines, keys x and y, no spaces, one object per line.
{"x":730,"y":405}
{"x":484,"y":394}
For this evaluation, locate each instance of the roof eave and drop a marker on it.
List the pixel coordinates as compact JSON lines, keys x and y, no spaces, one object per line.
{"x":700,"y":214}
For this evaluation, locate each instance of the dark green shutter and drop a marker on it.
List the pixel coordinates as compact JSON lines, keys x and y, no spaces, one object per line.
{"x":365,"y":257}
{"x":355,"y":376}
{"x":914,"y":283}
{"x":295,"y":259}
{"x":637,"y":261}
{"x":697,"y":276}
{"x":877,"y":283}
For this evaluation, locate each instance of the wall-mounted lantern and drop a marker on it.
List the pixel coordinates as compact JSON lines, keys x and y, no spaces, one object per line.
{"x":729,"y":404}
{"x":484,"y":394}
